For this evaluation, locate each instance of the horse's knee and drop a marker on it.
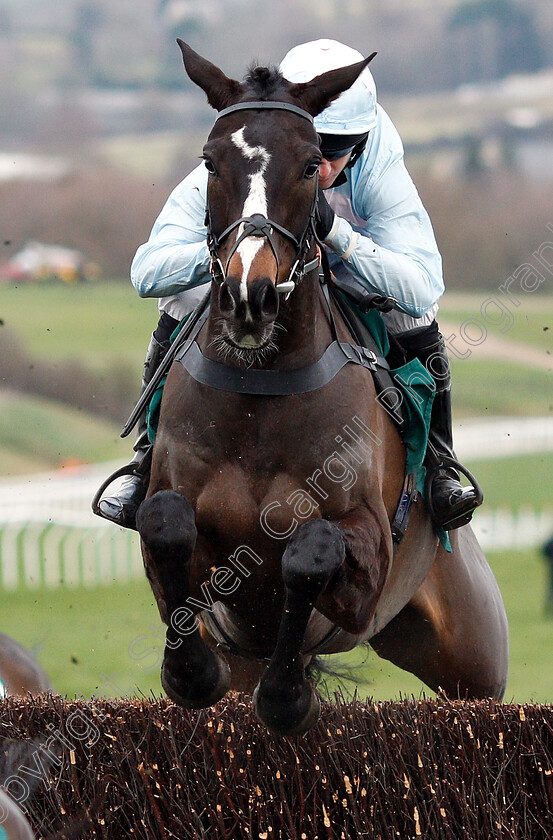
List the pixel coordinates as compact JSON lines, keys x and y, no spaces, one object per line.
{"x":166,"y":522}
{"x":315,"y":551}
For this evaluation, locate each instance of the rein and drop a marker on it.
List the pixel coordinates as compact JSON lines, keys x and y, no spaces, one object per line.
{"x":259,"y":225}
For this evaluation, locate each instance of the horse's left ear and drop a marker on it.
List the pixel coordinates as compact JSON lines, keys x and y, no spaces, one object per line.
{"x":219,"y":89}
{"x":316,"y":95}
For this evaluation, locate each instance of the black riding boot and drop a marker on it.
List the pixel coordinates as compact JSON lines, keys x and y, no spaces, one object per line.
{"x":451,"y":505}
{"x":121,"y":508}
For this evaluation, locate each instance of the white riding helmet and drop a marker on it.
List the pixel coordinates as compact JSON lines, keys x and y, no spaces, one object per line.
{"x":354,"y":112}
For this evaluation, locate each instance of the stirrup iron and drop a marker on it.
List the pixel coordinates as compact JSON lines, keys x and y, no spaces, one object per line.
{"x":465,"y":515}
{"x":139,"y":469}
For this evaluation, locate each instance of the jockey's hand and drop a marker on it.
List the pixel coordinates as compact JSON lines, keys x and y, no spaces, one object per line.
{"x":324,"y":217}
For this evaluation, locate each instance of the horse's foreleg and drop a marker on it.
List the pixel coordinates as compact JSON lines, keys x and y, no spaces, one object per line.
{"x":284,"y":699}
{"x":192,"y":674}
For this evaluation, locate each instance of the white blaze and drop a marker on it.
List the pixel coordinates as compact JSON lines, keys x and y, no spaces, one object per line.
{"x":256,"y":202}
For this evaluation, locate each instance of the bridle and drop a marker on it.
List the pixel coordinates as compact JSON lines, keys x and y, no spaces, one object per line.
{"x":261,"y":226}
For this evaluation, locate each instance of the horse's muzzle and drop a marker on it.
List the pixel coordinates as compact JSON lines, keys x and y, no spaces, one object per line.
{"x":252,"y":306}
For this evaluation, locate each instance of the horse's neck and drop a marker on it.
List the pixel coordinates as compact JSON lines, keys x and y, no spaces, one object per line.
{"x":306,"y":331}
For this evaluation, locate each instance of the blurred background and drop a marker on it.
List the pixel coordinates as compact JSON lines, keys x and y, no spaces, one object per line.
{"x":99,"y":123}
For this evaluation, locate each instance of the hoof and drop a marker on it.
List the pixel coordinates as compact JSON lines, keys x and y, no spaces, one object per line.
{"x":293,"y":718}
{"x":198,"y":691}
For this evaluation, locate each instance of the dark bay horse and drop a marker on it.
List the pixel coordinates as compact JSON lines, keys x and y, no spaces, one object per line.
{"x":20,"y":673}
{"x":266,"y":528}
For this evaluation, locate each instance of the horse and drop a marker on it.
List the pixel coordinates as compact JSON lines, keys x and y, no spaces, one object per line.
{"x":13,"y":823}
{"x":261,"y":555}
{"x":20,"y":673}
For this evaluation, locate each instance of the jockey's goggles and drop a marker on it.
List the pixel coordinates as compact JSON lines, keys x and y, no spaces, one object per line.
{"x":337,"y":153}
{"x":336,"y":146}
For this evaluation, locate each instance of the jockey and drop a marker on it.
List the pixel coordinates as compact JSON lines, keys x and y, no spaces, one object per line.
{"x":376,"y":230}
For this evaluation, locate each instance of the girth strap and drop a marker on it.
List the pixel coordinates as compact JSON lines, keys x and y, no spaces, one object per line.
{"x":276,"y":383}
{"x":215,"y":623}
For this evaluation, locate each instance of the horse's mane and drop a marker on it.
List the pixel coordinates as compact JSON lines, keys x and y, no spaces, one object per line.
{"x":263,"y":82}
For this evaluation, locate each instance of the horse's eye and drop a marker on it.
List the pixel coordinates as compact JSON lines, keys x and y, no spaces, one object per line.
{"x":210,"y":166}
{"x":311,"y":170}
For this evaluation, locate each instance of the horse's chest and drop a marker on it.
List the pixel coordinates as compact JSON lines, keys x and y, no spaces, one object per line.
{"x":290,"y":435}
{"x":269,"y":491}
{"x":226,"y":503}
{"x":258,"y":469}
{"x":249,"y":465}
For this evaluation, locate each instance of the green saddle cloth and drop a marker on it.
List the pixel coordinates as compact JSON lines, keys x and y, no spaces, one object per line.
{"x":417,"y":389}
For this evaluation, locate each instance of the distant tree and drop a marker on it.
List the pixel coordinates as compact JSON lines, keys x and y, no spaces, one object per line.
{"x":474,"y":165}
{"x":517,"y":44}
{"x":170,"y":70}
{"x":89,"y":19}
{"x":191,"y":21}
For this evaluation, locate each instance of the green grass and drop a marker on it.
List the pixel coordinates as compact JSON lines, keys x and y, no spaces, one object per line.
{"x":491,"y":388}
{"x":94,"y":323}
{"x":38,"y":434}
{"x":516,"y":482}
{"x":86,"y":636}
{"x":530,"y":323}
{"x":97,"y":324}
{"x":151,"y":154}
{"x":79,"y":635}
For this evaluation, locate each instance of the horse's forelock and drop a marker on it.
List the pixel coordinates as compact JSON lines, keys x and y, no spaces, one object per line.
{"x":264,"y":82}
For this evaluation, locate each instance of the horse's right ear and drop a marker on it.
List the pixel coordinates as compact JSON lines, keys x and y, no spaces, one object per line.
{"x":317,"y":94}
{"x":219,"y":89}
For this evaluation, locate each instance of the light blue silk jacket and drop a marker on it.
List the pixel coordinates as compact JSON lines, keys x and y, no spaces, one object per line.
{"x":382,"y":236}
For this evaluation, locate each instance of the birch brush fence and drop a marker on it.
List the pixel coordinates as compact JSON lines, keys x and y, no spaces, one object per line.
{"x":434,"y":769}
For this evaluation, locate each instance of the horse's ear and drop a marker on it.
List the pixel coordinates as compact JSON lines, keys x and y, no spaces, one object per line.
{"x":317,"y":94}
{"x":219,"y":89}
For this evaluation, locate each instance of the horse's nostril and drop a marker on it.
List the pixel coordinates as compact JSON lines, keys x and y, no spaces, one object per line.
{"x":226,"y":300}
{"x":267,"y":301}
